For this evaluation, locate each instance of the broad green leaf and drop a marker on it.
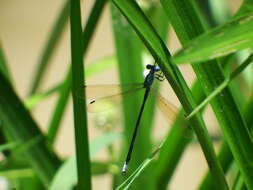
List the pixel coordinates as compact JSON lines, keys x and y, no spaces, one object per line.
{"x":66,"y":176}
{"x":230,"y":37}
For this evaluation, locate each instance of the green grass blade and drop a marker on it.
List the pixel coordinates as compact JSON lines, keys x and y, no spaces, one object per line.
{"x":32,"y":101}
{"x":36,"y":98}
{"x":3,"y":65}
{"x":230,"y":37}
{"x":220,"y":11}
{"x":49,"y":48}
{"x":225,"y":156}
{"x":246,"y":7}
{"x":17,"y":173}
{"x":59,"y":109}
{"x":66,"y":177}
{"x":239,"y":183}
{"x":224,"y":106}
{"x":222,"y":86}
{"x":79,"y":105}
{"x":174,"y":145}
{"x":65,"y":91}
{"x":160,"y":21}
{"x":22,"y":128}
{"x":129,"y":49}
{"x":160,"y":53}
{"x":8,"y":146}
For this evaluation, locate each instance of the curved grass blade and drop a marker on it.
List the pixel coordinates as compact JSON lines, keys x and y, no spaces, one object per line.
{"x":129,"y":56}
{"x":225,"y":156}
{"x":230,"y":37}
{"x":222,"y":86}
{"x":8,"y":146}
{"x":161,"y":54}
{"x":224,"y":106}
{"x":22,"y":128}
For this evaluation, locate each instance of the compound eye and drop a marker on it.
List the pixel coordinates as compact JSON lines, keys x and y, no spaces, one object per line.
{"x":149,"y":66}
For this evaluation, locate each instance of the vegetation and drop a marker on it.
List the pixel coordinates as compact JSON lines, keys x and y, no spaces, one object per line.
{"x":217,"y":45}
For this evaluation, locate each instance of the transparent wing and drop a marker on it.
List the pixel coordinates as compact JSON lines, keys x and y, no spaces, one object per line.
{"x":102,"y":97}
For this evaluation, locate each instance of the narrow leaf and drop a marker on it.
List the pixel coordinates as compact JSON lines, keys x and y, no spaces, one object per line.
{"x":22,"y":128}
{"x":50,"y":47}
{"x":79,"y":105}
{"x":230,"y":37}
{"x":66,"y":177}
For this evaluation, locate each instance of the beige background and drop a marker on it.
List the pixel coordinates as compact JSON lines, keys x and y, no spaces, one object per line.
{"x":24,"y":29}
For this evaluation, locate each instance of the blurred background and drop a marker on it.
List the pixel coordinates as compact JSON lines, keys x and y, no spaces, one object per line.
{"x":25,"y":26}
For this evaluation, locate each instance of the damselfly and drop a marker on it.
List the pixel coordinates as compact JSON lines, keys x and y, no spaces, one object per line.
{"x":114,"y":90}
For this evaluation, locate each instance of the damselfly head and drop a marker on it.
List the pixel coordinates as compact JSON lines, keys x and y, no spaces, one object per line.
{"x":153,"y":67}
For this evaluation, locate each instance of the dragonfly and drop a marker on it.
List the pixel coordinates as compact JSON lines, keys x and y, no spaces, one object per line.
{"x":165,"y":106}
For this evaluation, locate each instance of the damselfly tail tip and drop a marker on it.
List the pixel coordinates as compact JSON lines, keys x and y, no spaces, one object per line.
{"x":124,"y":168}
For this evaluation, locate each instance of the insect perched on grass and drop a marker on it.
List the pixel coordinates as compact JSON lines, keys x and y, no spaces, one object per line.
{"x":114,"y":91}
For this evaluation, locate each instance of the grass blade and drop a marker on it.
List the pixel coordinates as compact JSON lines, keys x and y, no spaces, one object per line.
{"x":127,"y":43}
{"x":222,"y":86}
{"x":66,"y":177}
{"x":3,"y":65}
{"x":225,"y":156}
{"x":65,"y":91}
{"x":8,"y":146}
{"x":230,"y":37}
{"x":22,"y":128}
{"x":79,"y":105}
{"x":160,"y":53}
{"x":35,"y":99}
{"x":174,"y":145}
{"x":49,"y":48}
{"x":17,"y":173}
{"x":224,"y":106}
